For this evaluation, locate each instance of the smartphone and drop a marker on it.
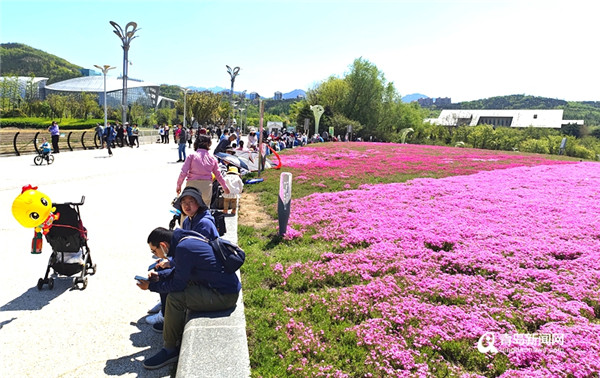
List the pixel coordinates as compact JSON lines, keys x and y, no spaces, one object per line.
{"x":141,"y":278}
{"x":153,"y":266}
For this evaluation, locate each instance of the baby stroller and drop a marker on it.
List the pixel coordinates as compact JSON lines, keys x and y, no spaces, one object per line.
{"x":70,"y":252}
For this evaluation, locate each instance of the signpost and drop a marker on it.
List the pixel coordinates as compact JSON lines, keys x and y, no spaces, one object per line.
{"x":563,"y":145}
{"x":284,"y":201}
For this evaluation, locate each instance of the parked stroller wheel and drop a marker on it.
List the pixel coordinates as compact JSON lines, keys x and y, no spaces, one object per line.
{"x":38,"y":160}
{"x":75,"y":281}
{"x":93,"y":269}
{"x":51,"y":283}
{"x":84,"y":283}
{"x":40,"y":283}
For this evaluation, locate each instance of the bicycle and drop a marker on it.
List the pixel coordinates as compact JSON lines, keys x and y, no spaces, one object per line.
{"x":39,"y":160}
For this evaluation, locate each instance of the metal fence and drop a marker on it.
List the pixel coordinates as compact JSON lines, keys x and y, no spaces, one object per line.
{"x":19,"y":142}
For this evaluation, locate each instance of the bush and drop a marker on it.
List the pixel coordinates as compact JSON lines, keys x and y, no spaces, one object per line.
{"x":581,"y":152}
{"x":44,"y":123}
{"x":538,"y":146}
{"x":17,"y":112}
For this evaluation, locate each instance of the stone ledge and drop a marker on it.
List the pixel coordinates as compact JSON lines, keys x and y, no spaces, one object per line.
{"x":214,"y":344}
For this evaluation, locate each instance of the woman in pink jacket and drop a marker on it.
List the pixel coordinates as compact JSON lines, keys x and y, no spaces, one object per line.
{"x":198,"y":169}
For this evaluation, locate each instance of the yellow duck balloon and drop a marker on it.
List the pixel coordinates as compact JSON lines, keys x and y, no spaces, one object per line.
{"x":33,"y":209}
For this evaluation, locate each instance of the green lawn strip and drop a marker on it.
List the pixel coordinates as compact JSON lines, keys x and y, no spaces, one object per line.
{"x":269,"y":304}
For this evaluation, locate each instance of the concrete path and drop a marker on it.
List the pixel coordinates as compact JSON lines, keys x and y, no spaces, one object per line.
{"x":99,"y":331}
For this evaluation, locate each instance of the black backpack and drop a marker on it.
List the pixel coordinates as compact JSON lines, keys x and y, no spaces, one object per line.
{"x":219,"y":221}
{"x":229,"y":254}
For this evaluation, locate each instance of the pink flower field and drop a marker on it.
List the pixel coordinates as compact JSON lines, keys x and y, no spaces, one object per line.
{"x":426,"y":267}
{"x":353,"y":162}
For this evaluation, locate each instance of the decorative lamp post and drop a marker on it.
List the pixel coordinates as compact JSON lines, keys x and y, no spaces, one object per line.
{"x":317,"y":111}
{"x":104,"y":70}
{"x":185,"y":91}
{"x":232,"y":73}
{"x":242,"y":119}
{"x":126,"y":37}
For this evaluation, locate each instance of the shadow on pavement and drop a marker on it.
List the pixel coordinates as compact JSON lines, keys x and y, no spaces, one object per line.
{"x":2,"y":324}
{"x":34,"y":299}
{"x":133,"y":363}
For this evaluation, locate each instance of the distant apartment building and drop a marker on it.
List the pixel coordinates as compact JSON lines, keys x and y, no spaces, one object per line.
{"x":425,"y":102}
{"x":253,"y":96}
{"x":278,"y":96}
{"x":440,"y":101}
{"x":443,"y":101}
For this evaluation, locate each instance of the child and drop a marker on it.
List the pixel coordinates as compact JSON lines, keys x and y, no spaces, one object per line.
{"x":45,"y":148}
{"x":235,"y":186}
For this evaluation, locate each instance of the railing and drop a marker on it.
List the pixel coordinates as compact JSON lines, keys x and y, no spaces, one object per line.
{"x":18,"y":142}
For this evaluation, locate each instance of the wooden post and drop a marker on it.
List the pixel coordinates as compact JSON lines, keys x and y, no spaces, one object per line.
{"x":260,"y":137}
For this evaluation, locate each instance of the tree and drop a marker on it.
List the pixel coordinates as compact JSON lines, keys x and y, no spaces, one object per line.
{"x":365,"y":93}
{"x":89,"y":105}
{"x":9,"y":92}
{"x":301,"y":111}
{"x":138,"y":114}
{"x":164,"y":115}
{"x":333,"y":93}
{"x":205,"y":107}
{"x":58,"y":104}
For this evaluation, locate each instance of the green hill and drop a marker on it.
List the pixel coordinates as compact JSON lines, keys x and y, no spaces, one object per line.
{"x":22,"y":60}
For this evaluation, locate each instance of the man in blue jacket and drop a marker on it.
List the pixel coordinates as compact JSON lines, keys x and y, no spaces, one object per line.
{"x":197,"y":218}
{"x":197,"y":281}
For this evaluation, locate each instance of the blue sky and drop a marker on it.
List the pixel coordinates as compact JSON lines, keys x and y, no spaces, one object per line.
{"x":465,"y":50}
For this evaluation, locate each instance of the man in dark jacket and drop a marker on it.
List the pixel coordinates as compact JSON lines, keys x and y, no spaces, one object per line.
{"x":225,"y":143}
{"x":197,"y":281}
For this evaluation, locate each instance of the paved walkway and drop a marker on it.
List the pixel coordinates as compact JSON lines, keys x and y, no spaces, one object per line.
{"x":99,"y":331}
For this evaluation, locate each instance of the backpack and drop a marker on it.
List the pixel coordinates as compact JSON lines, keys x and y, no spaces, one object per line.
{"x":219,"y":221}
{"x":229,"y":254}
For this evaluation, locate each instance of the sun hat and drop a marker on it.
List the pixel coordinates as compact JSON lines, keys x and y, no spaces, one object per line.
{"x":233,"y":170}
{"x":189,"y":191}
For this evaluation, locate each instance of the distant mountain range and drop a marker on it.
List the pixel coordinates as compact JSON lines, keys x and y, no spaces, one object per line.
{"x":293,"y":94}
{"x":413,"y":97}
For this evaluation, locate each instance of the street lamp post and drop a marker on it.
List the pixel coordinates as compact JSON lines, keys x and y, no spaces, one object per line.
{"x":232,"y":73}
{"x":242,"y":119}
{"x":126,"y":37}
{"x":185,"y":91}
{"x":104,"y":70}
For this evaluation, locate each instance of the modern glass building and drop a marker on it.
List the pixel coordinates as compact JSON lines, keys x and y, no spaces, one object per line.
{"x":141,"y":92}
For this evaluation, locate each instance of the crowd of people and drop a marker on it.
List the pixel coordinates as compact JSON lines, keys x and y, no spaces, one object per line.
{"x":186,"y":274}
{"x":118,"y":134}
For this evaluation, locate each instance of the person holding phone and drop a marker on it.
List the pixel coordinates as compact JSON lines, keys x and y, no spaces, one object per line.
{"x":197,"y":282}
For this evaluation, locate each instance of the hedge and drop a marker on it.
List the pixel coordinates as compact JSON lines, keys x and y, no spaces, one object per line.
{"x":43,"y":123}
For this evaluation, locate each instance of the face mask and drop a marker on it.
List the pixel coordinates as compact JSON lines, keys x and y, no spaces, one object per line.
{"x":163,"y":250}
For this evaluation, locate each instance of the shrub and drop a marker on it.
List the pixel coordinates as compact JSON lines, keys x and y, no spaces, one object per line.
{"x":17,"y":112}
{"x":538,"y":146}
